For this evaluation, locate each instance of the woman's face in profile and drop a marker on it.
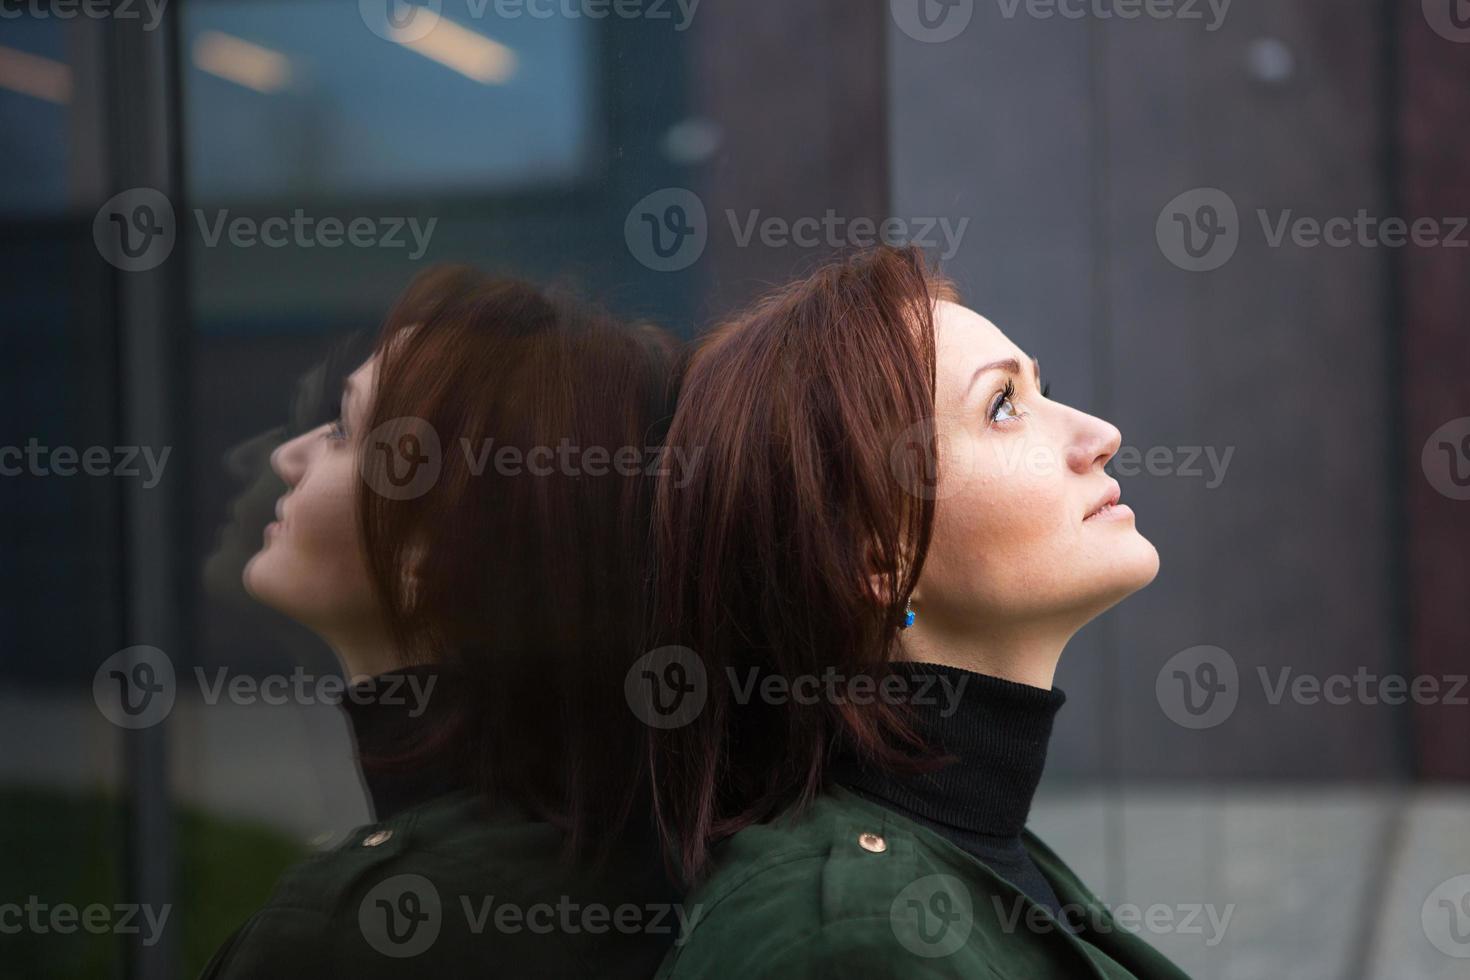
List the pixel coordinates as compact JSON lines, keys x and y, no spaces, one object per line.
{"x":1016,"y":536}
{"x":311,"y":566}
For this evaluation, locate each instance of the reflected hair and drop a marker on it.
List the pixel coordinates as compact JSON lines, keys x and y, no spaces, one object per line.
{"x":527,"y":582}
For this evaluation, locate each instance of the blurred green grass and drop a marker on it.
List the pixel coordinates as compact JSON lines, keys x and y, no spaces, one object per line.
{"x":67,"y":848}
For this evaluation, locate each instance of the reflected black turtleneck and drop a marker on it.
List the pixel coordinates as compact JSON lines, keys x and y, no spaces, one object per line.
{"x":998,"y":731}
{"x":393,"y":714}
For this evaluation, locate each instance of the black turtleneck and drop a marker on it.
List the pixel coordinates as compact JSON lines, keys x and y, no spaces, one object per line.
{"x":393,"y":715}
{"x":997,"y":730}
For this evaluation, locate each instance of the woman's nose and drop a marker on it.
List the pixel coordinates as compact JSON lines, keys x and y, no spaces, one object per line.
{"x":289,"y":458}
{"x":1095,"y":443}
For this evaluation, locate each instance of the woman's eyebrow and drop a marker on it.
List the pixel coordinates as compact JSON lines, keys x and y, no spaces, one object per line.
{"x":1009,"y":364}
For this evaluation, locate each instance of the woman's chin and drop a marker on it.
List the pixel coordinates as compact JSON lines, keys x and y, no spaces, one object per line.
{"x":258,"y":579}
{"x":1139,"y":568}
{"x":1130,"y":567}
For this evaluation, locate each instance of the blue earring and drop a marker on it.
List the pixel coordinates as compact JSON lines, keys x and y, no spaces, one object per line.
{"x":908,"y":616}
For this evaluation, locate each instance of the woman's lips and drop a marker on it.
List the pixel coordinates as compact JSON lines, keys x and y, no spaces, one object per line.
{"x":1108,"y":500}
{"x":1111,"y":512}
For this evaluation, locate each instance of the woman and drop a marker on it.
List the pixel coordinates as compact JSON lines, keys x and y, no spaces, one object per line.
{"x":461,"y":540}
{"x":894,"y":537}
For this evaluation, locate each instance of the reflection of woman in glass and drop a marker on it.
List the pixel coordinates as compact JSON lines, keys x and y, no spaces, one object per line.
{"x":896,"y":536}
{"x":459,"y":539}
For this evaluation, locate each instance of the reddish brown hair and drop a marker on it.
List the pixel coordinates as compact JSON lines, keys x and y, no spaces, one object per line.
{"x":530,"y":586}
{"x":807,"y":409}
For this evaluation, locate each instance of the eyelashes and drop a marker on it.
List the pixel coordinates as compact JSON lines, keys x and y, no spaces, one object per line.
{"x":1005,"y":397}
{"x":1002,"y":399}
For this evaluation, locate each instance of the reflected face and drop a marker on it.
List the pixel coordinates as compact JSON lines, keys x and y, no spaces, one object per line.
{"x":312,"y":566}
{"x":1027,"y":526}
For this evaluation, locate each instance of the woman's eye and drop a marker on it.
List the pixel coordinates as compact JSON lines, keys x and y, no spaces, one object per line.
{"x":336,"y":430}
{"x":1003,"y":409}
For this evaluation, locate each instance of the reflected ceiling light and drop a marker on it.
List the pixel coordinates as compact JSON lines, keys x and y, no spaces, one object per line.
{"x":237,"y":60}
{"x":30,"y":74}
{"x":471,"y":54}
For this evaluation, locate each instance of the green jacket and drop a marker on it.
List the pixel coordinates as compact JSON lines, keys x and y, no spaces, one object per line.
{"x":450,"y":889}
{"x":850,"y":889}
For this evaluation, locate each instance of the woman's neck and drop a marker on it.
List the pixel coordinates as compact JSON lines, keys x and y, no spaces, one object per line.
{"x":1026,"y":655}
{"x":364,"y":652}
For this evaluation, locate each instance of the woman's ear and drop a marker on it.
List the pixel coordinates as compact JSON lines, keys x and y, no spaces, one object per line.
{"x":882,"y":586}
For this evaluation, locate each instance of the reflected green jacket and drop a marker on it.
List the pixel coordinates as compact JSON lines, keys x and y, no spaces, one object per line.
{"x":450,"y":889}
{"x":850,"y":889}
